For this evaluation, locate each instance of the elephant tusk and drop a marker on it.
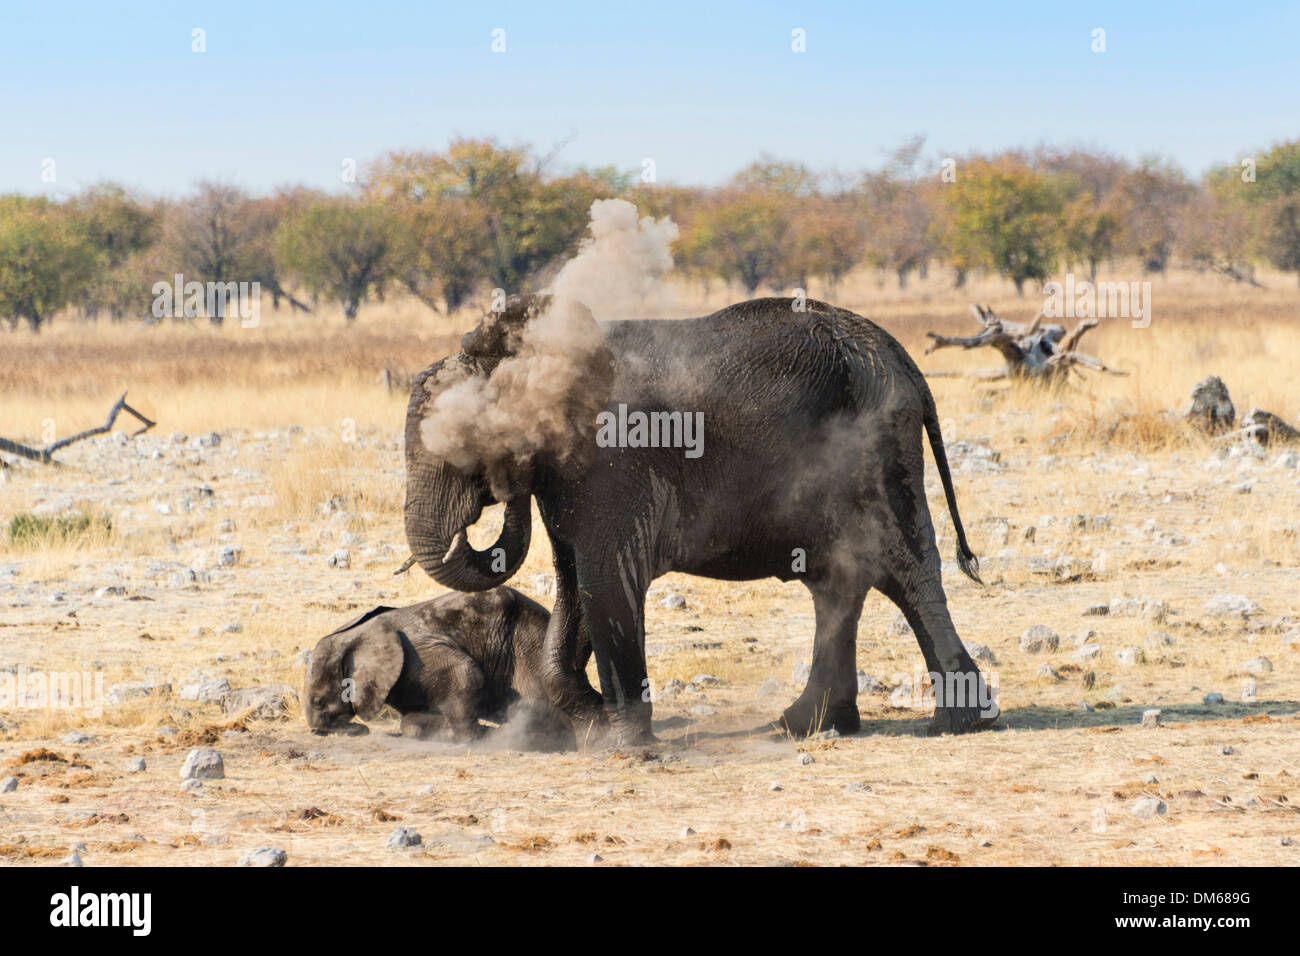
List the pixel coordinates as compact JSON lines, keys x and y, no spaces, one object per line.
{"x":406,"y":566}
{"x":456,"y":543}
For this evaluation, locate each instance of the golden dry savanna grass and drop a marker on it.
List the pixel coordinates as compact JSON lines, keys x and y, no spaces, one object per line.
{"x":1165,"y":518}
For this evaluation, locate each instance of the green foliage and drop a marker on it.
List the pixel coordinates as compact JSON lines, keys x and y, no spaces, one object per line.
{"x":446,"y":226}
{"x":44,"y":261}
{"x":1006,"y":217}
{"x":1274,"y":204}
{"x":29,"y":530}
{"x":513,"y":221}
{"x":342,"y":249}
{"x":742,"y":238}
{"x":119,"y":232}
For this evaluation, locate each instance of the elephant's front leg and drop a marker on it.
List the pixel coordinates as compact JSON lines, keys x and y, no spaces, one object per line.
{"x":563,"y":669}
{"x":613,"y":604}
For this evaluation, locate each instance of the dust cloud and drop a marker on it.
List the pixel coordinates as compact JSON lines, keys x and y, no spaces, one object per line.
{"x":552,"y":370}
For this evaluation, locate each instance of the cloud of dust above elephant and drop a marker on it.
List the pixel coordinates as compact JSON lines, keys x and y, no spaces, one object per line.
{"x":545,"y":394}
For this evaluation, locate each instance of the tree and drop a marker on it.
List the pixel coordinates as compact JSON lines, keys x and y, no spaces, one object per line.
{"x":1089,"y":232}
{"x":1276,"y":192}
{"x":445,"y":249}
{"x":340,"y":248}
{"x":1005,"y":216}
{"x":828,"y":238}
{"x":743,"y":237}
{"x":208,"y":238}
{"x":1218,"y":227}
{"x":44,"y":263}
{"x":900,"y":214}
{"x":1150,"y":202}
{"x":259,"y":219}
{"x":119,"y":231}
{"x":529,"y":221}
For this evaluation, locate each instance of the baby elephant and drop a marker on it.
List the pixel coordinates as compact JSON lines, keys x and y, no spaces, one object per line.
{"x":442,"y":665}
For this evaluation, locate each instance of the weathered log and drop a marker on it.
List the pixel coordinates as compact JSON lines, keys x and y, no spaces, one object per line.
{"x":1211,"y":409}
{"x":1036,"y":351}
{"x":46,"y":455}
{"x":1266,"y":428}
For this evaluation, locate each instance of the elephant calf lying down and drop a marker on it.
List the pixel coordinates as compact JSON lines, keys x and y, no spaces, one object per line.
{"x":442,"y":665}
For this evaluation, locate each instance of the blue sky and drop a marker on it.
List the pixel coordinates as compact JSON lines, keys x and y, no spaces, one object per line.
{"x":286,"y":91}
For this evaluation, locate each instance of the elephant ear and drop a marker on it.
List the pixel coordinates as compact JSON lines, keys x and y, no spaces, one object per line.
{"x":372,"y":613}
{"x":374,"y":662}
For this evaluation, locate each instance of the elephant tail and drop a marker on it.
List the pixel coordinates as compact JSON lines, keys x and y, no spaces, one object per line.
{"x":966,"y":560}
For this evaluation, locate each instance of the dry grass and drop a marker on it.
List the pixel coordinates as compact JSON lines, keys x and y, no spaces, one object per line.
{"x":1055,"y":787}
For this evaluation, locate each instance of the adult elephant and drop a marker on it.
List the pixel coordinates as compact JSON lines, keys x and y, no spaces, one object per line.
{"x":811,"y":467}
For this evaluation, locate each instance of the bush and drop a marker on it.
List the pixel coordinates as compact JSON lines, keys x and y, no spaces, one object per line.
{"x":29,"y":530}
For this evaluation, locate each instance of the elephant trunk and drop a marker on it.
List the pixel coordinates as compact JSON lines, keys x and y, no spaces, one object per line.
{"x":442,"y":502}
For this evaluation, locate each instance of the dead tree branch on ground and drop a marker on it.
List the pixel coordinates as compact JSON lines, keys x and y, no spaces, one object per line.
{"x":46,"y":455}
{"x":1035,"y":351}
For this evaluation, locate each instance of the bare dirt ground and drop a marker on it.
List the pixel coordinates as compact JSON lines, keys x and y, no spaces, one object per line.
{"x":218,"y":567}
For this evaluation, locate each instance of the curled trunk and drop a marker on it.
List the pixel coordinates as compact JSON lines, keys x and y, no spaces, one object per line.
{"x":442,"y":502}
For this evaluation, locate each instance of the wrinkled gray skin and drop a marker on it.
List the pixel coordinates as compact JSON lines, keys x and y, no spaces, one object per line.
{"x":813,"y":425}
{"x":442,"y":665}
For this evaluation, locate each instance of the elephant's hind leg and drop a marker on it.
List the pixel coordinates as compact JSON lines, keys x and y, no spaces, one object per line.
{"x":830,"y":699}
{"x":962,"y":699}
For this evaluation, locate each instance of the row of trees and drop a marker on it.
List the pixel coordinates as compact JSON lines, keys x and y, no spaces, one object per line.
{"x":447,"y":226}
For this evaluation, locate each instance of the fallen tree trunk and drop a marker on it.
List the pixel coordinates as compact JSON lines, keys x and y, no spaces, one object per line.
{"x":1043,"y":353}
{"x":1266,"y":428}
{"x":1212,"y":412}
{"x":46,"y":455}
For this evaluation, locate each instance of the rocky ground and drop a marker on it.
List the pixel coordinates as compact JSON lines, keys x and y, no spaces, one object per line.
{"x":1140,"y":618}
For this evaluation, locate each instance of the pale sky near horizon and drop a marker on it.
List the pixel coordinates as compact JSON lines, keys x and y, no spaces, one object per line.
{"x":285,"y":92}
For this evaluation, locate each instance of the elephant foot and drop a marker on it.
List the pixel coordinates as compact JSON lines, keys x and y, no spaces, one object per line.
{"x":962,"y":720}
{"x":629,"y":731}
{"x":804,"y":720}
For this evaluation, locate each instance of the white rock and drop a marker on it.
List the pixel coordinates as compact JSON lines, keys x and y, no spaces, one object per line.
{"x":205,"y":690}
{"x":1258,"y":666}
{"x":1230,"y":605}
{"x":868,"y":684}
{"x":203,"y":763}
{"x":1039,"y":638}
{"x":1086,"y":653}
{"x":264,"y":856}
{"x":671,"y":689}
{"x":134,"y":690}
{"x":1148,"y":807}
{"x":1129,"y":656}
{"x":402,"y":838}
